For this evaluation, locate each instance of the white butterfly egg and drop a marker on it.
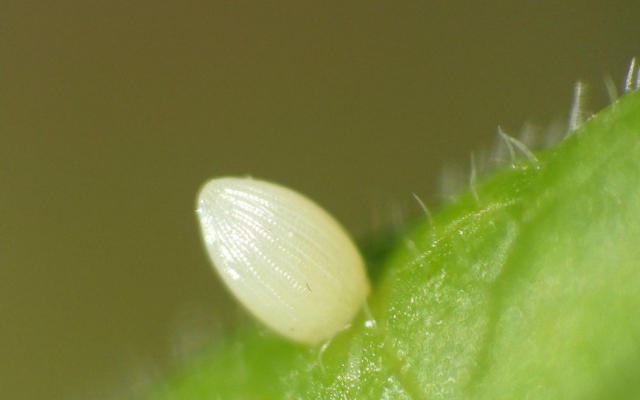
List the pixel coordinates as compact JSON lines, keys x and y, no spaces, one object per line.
{"x":285,"y":258}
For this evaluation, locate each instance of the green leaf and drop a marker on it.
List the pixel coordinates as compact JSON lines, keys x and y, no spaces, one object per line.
{"x":529,"y":287}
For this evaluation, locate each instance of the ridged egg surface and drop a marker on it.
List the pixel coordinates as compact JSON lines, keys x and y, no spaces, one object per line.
{"x":285,"y":258}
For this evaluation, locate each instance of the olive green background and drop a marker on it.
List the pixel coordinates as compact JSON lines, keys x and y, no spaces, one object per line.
{"x":112,"y":114}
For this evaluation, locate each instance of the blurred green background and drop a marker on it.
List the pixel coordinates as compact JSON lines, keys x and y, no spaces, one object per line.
{"x":113,"y":114}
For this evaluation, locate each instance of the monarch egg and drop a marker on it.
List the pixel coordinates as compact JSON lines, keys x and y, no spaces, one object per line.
{"x":283,"y":257}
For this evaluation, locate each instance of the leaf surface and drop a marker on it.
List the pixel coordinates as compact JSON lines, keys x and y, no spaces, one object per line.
{"x":528,"y":287}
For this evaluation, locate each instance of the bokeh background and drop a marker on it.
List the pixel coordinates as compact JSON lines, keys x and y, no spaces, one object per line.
{"x":113,"y":113}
